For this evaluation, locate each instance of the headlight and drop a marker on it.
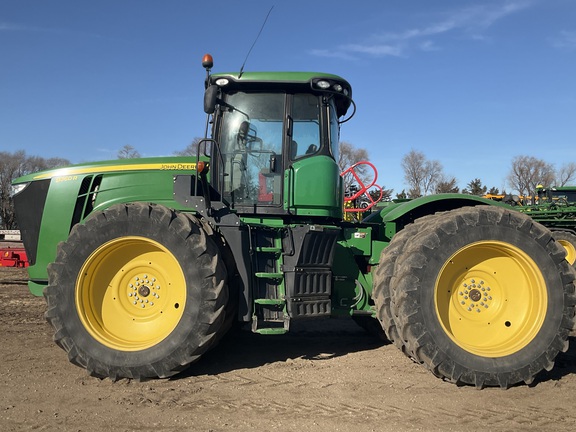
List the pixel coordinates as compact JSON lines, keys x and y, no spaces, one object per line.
{"x":17,"y":188}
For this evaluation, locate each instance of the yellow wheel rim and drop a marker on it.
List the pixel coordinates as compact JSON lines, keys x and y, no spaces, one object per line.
{"x":570,"y":251}
{"x":491,"y":298}
{"x":130,"y":293}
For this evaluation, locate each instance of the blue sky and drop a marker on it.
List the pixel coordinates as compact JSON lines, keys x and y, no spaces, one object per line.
{"x":468,"y":83}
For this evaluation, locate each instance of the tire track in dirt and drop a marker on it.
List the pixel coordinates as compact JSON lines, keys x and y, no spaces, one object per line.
{"x":309,"y":397}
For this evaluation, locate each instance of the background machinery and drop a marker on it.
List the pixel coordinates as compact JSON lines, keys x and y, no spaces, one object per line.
{"x":555,"y":208}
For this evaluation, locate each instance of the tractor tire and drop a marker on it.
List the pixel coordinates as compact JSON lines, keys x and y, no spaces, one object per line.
{"x":382,"y":279}
{"x":483,"y":296}
{"x":568,"y":242}
{"x":137,"y":291}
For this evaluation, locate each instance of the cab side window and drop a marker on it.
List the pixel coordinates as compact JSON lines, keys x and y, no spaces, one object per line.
{"x":306,"y":126}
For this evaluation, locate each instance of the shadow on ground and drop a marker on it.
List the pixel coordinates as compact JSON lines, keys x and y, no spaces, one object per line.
{"x":312,"y":340}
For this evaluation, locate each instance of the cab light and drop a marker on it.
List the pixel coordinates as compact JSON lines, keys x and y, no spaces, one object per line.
{"x":338,"y":87}
{"x":17,"y":188}
{"x":323,"y":84}
{"x":207,"y":61}
{"x":221,"y":82}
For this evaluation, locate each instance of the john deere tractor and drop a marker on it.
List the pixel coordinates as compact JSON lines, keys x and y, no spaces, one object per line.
{"x":146,"y":263}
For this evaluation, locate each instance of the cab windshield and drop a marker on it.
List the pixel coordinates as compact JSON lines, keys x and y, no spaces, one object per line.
{"x":261,"y":134}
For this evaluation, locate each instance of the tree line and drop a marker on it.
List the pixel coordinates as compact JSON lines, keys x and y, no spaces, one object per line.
{"x":422,"y":176}
{"x":17,"y":164}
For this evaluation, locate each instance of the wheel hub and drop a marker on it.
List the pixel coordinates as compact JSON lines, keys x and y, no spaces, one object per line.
{"x":142,"y":286}
{"x":475,"y":296}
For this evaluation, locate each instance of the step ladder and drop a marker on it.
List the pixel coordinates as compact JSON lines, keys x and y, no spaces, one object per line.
{"x":270,"y":314}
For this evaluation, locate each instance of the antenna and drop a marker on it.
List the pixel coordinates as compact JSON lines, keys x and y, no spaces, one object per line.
{"x":254,"y":43}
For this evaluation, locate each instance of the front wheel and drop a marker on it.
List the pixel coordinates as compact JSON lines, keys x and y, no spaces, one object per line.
{"x":483,"y":296}
{"x":137,"y":291}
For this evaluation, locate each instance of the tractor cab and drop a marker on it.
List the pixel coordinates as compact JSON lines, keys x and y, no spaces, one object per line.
{"x":272,"y":136}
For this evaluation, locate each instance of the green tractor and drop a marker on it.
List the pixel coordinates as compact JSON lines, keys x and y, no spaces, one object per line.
{"x":146,"y":263}
{"x":555,"y":208}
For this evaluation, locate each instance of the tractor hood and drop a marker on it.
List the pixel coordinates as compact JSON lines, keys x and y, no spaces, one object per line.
{"x":49,"y":203}
{"x":175,"y":163}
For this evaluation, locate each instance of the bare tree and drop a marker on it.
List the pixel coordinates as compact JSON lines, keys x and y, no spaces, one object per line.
{"x":527,"y":172}
{"x":191,"y":149}
{"x":128,"y":152}
{"x":433,"y":174}
{"x":348,"y":156}
{"x":421,"y":174}
{"x":13,"y":165}
{"x":566,"y":174}
{"x":413,"y":165}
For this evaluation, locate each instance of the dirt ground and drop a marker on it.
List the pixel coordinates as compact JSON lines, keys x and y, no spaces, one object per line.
{"x":327,"y":376}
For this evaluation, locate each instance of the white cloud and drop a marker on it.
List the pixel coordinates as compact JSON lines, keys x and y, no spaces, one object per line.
{"x":336,"y":53}
{"x":375,"y":50}
{"x":428,"y":46}
{"x":566,"y":39}
{"x":5,"y":26}
{"x":471,"y":21}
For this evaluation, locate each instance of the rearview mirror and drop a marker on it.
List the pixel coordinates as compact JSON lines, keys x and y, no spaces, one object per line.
{"x":210,"y":99}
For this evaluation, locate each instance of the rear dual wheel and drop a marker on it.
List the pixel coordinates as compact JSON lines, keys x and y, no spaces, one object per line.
{"x":482,"y":296}
{"x":568,"y":242}
{"x":137,"y":291}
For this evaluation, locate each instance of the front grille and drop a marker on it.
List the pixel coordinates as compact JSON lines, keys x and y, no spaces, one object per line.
{"x":29,"y":207}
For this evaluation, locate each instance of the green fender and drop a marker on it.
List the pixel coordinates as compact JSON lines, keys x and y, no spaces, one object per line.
{"x":398,"y":214}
